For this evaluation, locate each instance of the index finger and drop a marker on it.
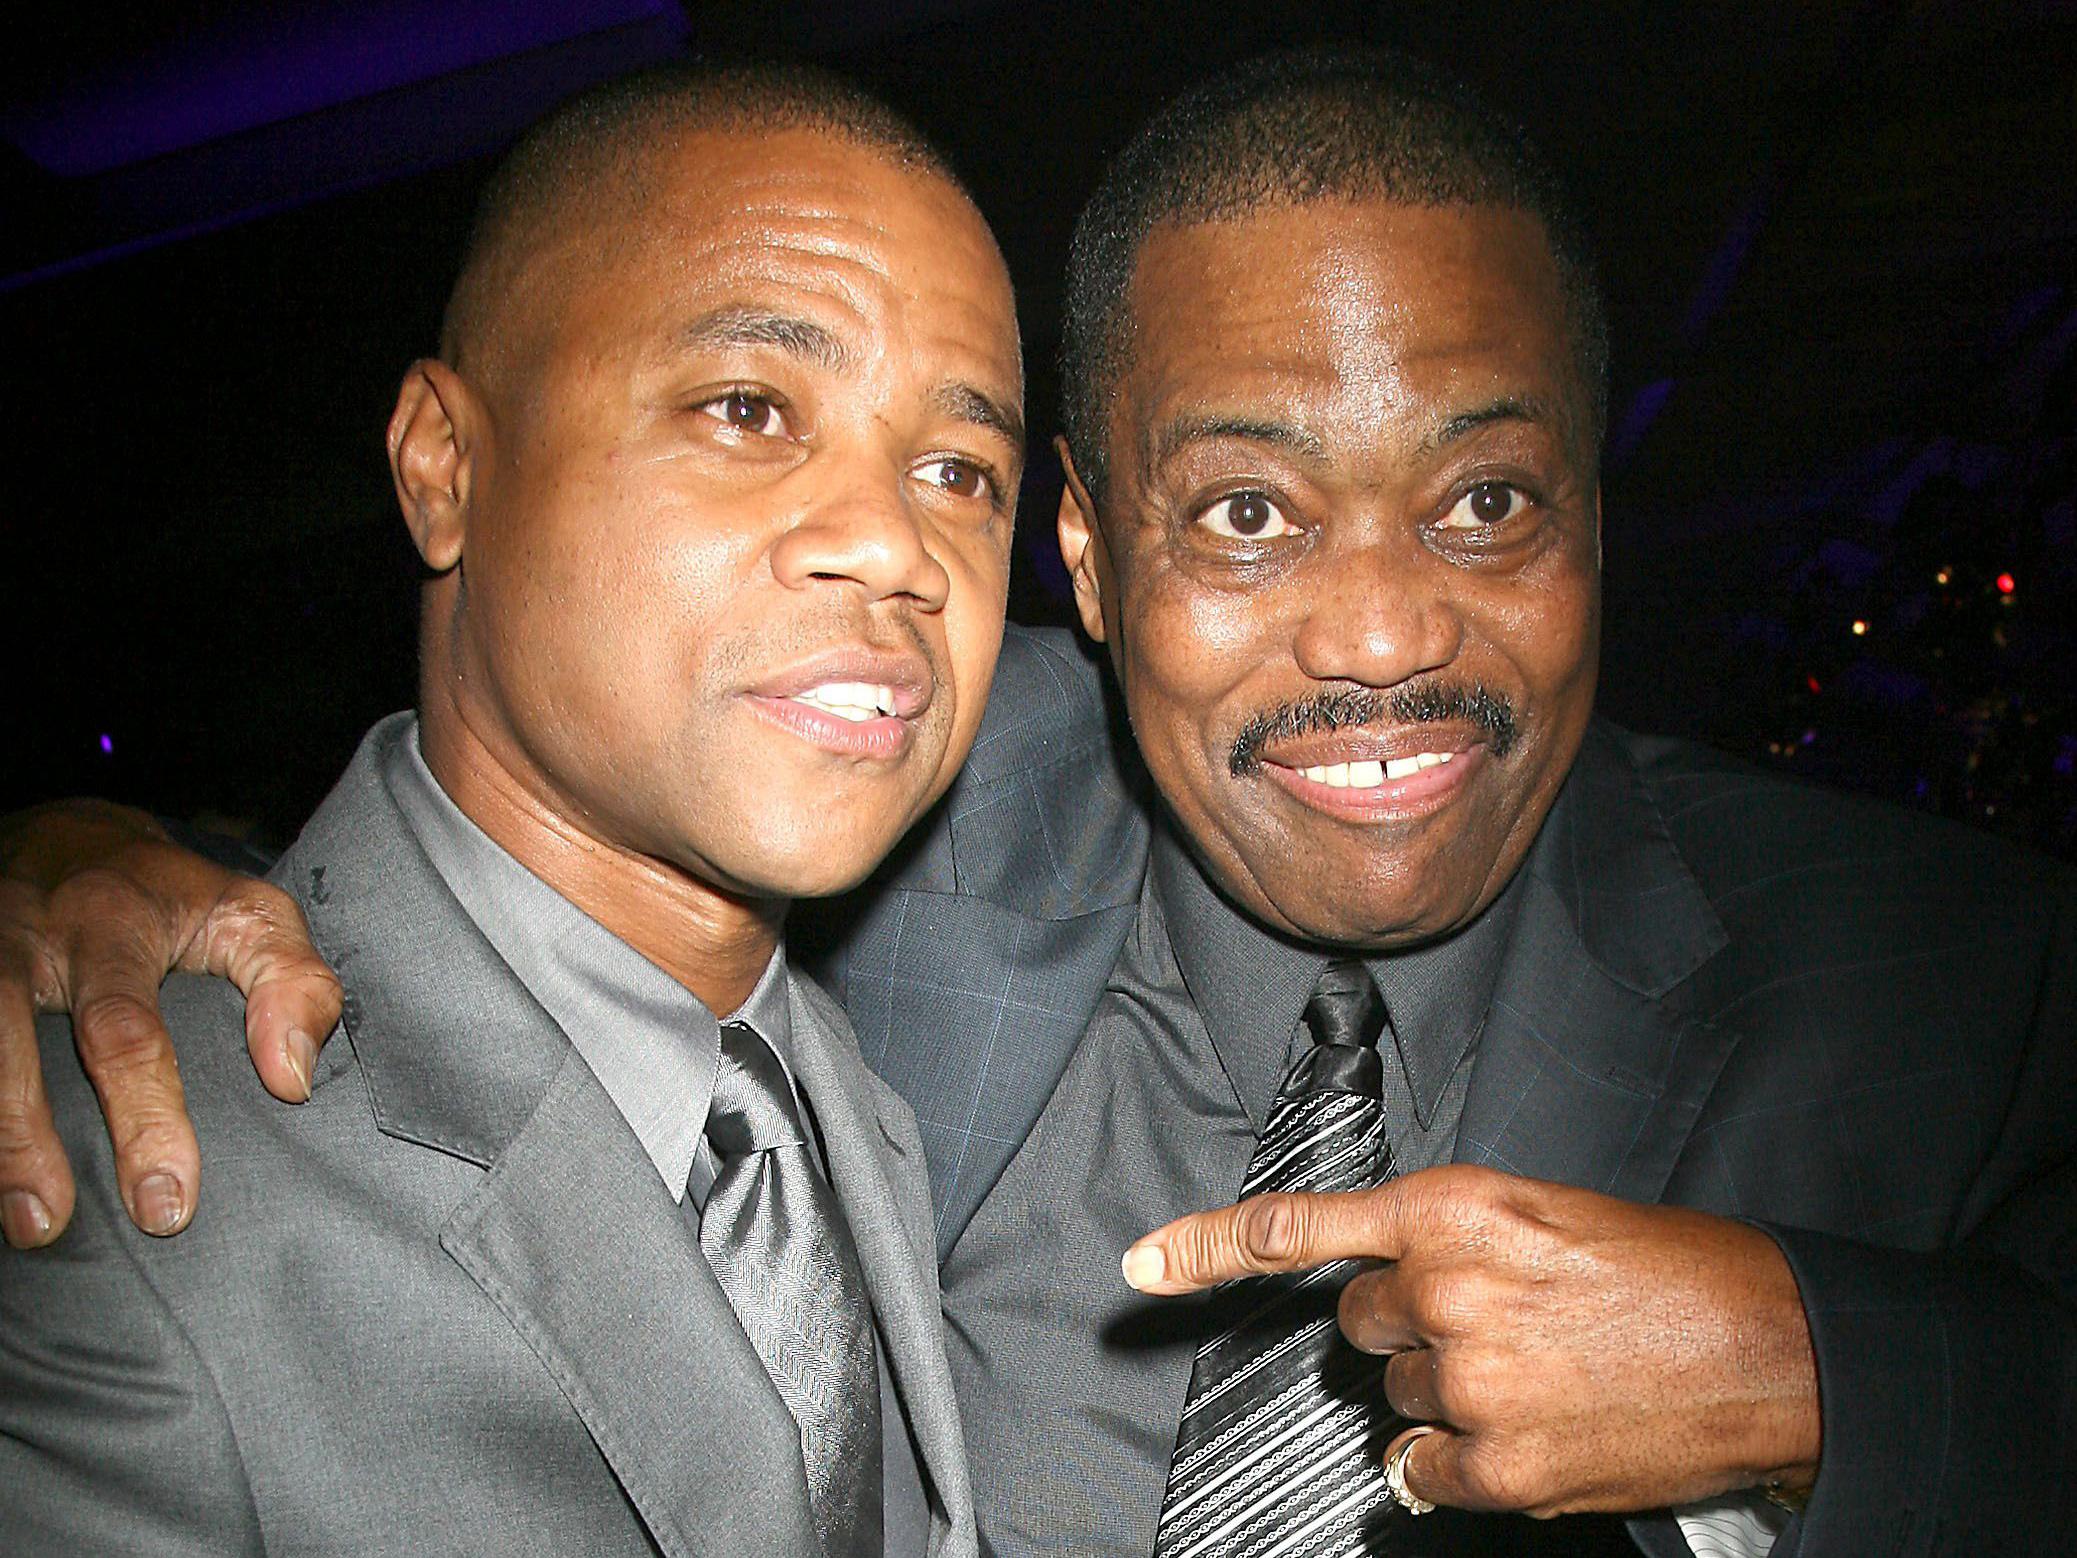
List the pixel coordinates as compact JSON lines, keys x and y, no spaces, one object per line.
{"x":1281,"y":1231}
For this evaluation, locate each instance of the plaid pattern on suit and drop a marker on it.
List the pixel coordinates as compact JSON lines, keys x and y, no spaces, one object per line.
{"x":1853,"y":1026}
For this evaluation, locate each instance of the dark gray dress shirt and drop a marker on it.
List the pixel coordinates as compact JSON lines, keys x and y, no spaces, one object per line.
{"x":652,"y":1044}
{"x":1157,"y":1115}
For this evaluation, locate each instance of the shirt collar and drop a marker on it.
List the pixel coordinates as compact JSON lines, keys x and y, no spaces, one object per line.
{"x":652,"y":1044}
{"x":1250,"y":985}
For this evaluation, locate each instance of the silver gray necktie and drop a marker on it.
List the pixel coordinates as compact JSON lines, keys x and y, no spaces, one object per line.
{"x":779,"y":1244}
{"x":1280,"y":1452}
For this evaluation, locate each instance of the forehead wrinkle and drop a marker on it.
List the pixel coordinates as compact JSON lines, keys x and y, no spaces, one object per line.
{"x":815,"y":232}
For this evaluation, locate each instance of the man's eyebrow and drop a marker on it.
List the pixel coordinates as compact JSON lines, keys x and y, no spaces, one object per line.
{"x":969,"y":404}
{"x":739,"y":326}
{"x":1179,"y":433}
{"x":1509,"y":408}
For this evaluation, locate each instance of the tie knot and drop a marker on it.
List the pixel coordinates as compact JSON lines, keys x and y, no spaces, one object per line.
{"x":753,"y":1108}
{"x":1346,"y":1006}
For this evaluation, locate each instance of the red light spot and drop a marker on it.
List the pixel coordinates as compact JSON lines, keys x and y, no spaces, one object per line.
{"x":1812,"y":683}
{"x":2007,"y":584}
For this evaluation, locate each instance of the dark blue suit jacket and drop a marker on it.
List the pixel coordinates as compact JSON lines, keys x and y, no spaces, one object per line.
{"x":1854,"y":1026}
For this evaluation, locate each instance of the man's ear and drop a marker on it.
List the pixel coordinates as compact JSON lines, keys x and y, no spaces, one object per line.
{"x":1081,"y":546}
{"x":433,"y":439}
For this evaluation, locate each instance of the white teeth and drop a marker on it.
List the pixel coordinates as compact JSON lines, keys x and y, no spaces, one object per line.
{"x":853,"y":701}
{"x":1362,"y":775}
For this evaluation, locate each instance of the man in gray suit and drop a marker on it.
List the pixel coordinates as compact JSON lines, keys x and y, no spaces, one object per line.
{"x":596,"y":1235}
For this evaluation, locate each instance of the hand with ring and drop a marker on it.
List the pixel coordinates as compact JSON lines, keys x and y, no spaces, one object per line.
{"x":1559,"y":1351}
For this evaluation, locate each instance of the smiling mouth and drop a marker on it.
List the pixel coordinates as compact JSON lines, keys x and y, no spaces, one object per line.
{"x":1368,"y":774}
{"x":854,"y":701}
{"x":1374,"y":787}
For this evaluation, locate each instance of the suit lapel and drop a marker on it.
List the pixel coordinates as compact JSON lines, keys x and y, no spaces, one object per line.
{"x":876,"y":1167}
{"x":1590,"y":1071}
{"x":571,"y":1235}
{"x":631,"y":1324}
{"x":973,"y":962}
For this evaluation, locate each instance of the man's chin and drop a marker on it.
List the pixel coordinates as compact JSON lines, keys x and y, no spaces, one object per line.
{"x":1378,"y":904}
{"x":818,"y":867}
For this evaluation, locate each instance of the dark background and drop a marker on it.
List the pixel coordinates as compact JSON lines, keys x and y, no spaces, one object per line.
{"x":1838,"y":241}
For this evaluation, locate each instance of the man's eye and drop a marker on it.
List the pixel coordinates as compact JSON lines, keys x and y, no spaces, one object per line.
{"x":746,"y":412}
{"x":959,"y":478}
{"x":1246,"y":516}
{"x":1488,"y":504}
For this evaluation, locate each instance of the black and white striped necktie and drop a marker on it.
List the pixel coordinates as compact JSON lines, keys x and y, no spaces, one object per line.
{"x":1280,"y":1452}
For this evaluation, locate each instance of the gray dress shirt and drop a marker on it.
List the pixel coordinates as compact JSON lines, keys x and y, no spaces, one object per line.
{"x":1157,"y":1115}
{"x":652,"y":1044}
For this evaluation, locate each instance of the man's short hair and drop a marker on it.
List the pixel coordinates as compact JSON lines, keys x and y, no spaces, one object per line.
{"x":572,"y":165}
{"x":1286,"y":129}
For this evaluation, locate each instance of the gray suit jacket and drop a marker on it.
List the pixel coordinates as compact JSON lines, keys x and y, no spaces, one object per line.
{"x":1855,"y":1027}
{"x":446,"y":1306}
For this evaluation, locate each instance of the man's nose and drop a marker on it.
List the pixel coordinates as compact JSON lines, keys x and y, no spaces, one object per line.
{"x":861,"y":526}
{"x":1379,"y":615}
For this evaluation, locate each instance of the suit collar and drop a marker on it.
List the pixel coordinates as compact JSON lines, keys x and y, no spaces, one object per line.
{"x":652,"y":1043}
{"x":1591,"y":1071}
{"x":361,"y":874}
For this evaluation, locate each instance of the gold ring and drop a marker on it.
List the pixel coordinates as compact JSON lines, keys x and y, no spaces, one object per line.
{"x":1395,"y":1473}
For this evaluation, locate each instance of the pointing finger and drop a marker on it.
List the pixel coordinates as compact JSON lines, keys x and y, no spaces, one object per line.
{"x":1266,"y":1233}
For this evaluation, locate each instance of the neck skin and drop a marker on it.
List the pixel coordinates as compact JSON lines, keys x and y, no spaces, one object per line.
{"x":714,"y":944}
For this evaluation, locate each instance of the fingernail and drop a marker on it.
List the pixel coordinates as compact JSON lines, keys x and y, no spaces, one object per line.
{"x":25,"y":1219}
{"x":1144,"y":1265}
{"x":159,"y":1204}
{"x":302,"y":1058}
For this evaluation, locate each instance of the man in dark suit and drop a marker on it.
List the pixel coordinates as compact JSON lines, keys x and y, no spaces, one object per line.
{"x":597,"y":1235}
{"x":1731,"y":1118}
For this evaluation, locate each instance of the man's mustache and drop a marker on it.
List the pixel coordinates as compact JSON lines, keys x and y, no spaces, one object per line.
{"x":1491,"y":713}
